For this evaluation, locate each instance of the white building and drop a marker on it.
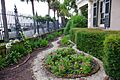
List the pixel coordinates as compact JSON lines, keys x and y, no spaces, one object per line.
{"x":102,"y":13}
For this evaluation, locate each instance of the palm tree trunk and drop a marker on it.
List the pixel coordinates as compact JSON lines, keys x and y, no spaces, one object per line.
{"x":63,"y":21}
{"x":32,"y":2}
{"x":6,"y":35}
{"x":58,"y":19}
{"x":54,"y":20}
{"x":48,"y":15}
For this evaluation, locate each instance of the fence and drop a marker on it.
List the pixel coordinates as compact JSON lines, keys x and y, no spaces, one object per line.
{"x":26,"y":23}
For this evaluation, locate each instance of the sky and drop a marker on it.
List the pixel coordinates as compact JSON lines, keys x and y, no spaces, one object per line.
{"x":26,"y":9}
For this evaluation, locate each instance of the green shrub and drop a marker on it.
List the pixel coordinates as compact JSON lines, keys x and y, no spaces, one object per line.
{"x":91,"y":42}
{"x":112,"y":56}
{"x":27,"y":46}
{"x":2,"y":50}
{"x":13,"y":57}
{"x":20,"y":48}
{"x":44,"y":43}
{"x":34,"y":43}
{"x":3,"y":63}
{"x":67,"y":27}
{"x":76,"y":21}
{"x":50,"y":37}
{"x":64,"y":41}
{"x":73,"y":32}
{"x":66,"y":62}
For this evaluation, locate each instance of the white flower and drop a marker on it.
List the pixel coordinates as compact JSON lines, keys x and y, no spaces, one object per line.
{"x":10,"y":41}
{"x":8,"y":45}
{"x":16,"y":40}
{"x":35,"y":35}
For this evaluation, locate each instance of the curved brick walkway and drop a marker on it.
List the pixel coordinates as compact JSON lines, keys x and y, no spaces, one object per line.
{"x":40,"y":74}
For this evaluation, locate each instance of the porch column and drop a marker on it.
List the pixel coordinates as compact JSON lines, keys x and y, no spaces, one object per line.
{"x":79,"y":11}
{"x":90,"y":14}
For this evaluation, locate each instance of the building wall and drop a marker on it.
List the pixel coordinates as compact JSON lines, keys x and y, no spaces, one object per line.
{"x":81,"y":3}
{"x":115,"y":15}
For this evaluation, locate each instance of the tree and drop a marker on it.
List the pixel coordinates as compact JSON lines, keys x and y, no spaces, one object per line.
{"x":71,"y":4}
{"x":33,"y":11}
{"x":64,"y":12}
{"x":6,"y":35}
{"x":48,"y":1}
{"x":55,"y":6}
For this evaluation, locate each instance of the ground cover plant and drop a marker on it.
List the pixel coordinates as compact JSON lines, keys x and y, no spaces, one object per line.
{"x":65,"y":41}
{"x":67,"y":63}
{"x":21,"y":49}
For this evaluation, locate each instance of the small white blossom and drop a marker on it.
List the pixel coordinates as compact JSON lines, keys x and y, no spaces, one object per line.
{"x":16,"y":40}
{"x":8,"y":45}
{"x":35,"y":35}
{"x":10,"y":41}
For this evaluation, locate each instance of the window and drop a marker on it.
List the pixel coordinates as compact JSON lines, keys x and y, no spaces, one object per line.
{"x":95,"y":13}
{"x":107,"y":8}
{"x":101,"y":13}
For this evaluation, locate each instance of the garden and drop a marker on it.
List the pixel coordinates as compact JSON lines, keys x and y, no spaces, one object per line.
{"x":75,"y":52}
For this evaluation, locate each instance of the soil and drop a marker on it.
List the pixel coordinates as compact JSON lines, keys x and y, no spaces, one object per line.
{"x":23,"y":72}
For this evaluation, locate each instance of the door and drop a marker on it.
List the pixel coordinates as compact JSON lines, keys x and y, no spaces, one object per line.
{"x":107,"y":13}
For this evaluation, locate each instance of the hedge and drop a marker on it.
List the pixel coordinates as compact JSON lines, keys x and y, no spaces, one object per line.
{"x":91,"y":42}
{"x":72,"y":33}
{"x":112,"y":56}
{"x":2,"y":50}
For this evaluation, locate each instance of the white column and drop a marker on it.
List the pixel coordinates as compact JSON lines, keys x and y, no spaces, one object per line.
{"x":90,"y":14}
{"x":79,"y":11}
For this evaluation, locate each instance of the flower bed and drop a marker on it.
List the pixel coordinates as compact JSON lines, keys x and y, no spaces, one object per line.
{"x":68,"y":63}
{"x":16,"y":51}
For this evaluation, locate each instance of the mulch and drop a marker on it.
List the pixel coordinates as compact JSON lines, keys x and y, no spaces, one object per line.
{"x":21,"y":72}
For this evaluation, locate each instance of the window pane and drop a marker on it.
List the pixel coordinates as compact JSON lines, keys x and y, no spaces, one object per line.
{"x":107,"y":8}
{"x":94,"y":11}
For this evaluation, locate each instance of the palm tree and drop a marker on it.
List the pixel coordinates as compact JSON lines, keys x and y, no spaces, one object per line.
{"x":55,"y":6}
{"x":48,"y":1}
{"x":6,"y":35}
{"x":64,"y":12}
{"x":33,"y":11}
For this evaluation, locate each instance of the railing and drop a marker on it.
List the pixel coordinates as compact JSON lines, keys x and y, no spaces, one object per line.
{"x":26,"y":23}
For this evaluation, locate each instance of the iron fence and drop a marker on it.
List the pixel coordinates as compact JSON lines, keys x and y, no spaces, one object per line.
{"x":26,"y":23}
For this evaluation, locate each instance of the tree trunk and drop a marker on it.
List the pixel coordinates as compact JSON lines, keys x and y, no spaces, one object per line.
{"x":54,"y":20}
{"x":32,"y":2}
{"x":48,"y":15}
{"x":58,"y":19}
{"x":63,"y":21}
{"x":6,"y":35}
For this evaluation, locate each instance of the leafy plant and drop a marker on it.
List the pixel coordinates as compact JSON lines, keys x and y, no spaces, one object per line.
{"x":27,"y":46}
{"x":76,"y":21}
{"x":66,"y":62}
{"x":20,"y":48}
{"x":50,"y":37}
{"x":3,"y":63}
{"x":13,"y":57}
{"x":33,"y":43}
{"x":44,"y":43}
{"x":65,"y":41}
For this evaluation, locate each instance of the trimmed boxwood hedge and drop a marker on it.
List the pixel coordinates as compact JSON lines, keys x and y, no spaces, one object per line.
{"x":103,"y":44}
{"x":112,"y":56}
{"x":72,"y":34}
{"x":91,"y":42}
